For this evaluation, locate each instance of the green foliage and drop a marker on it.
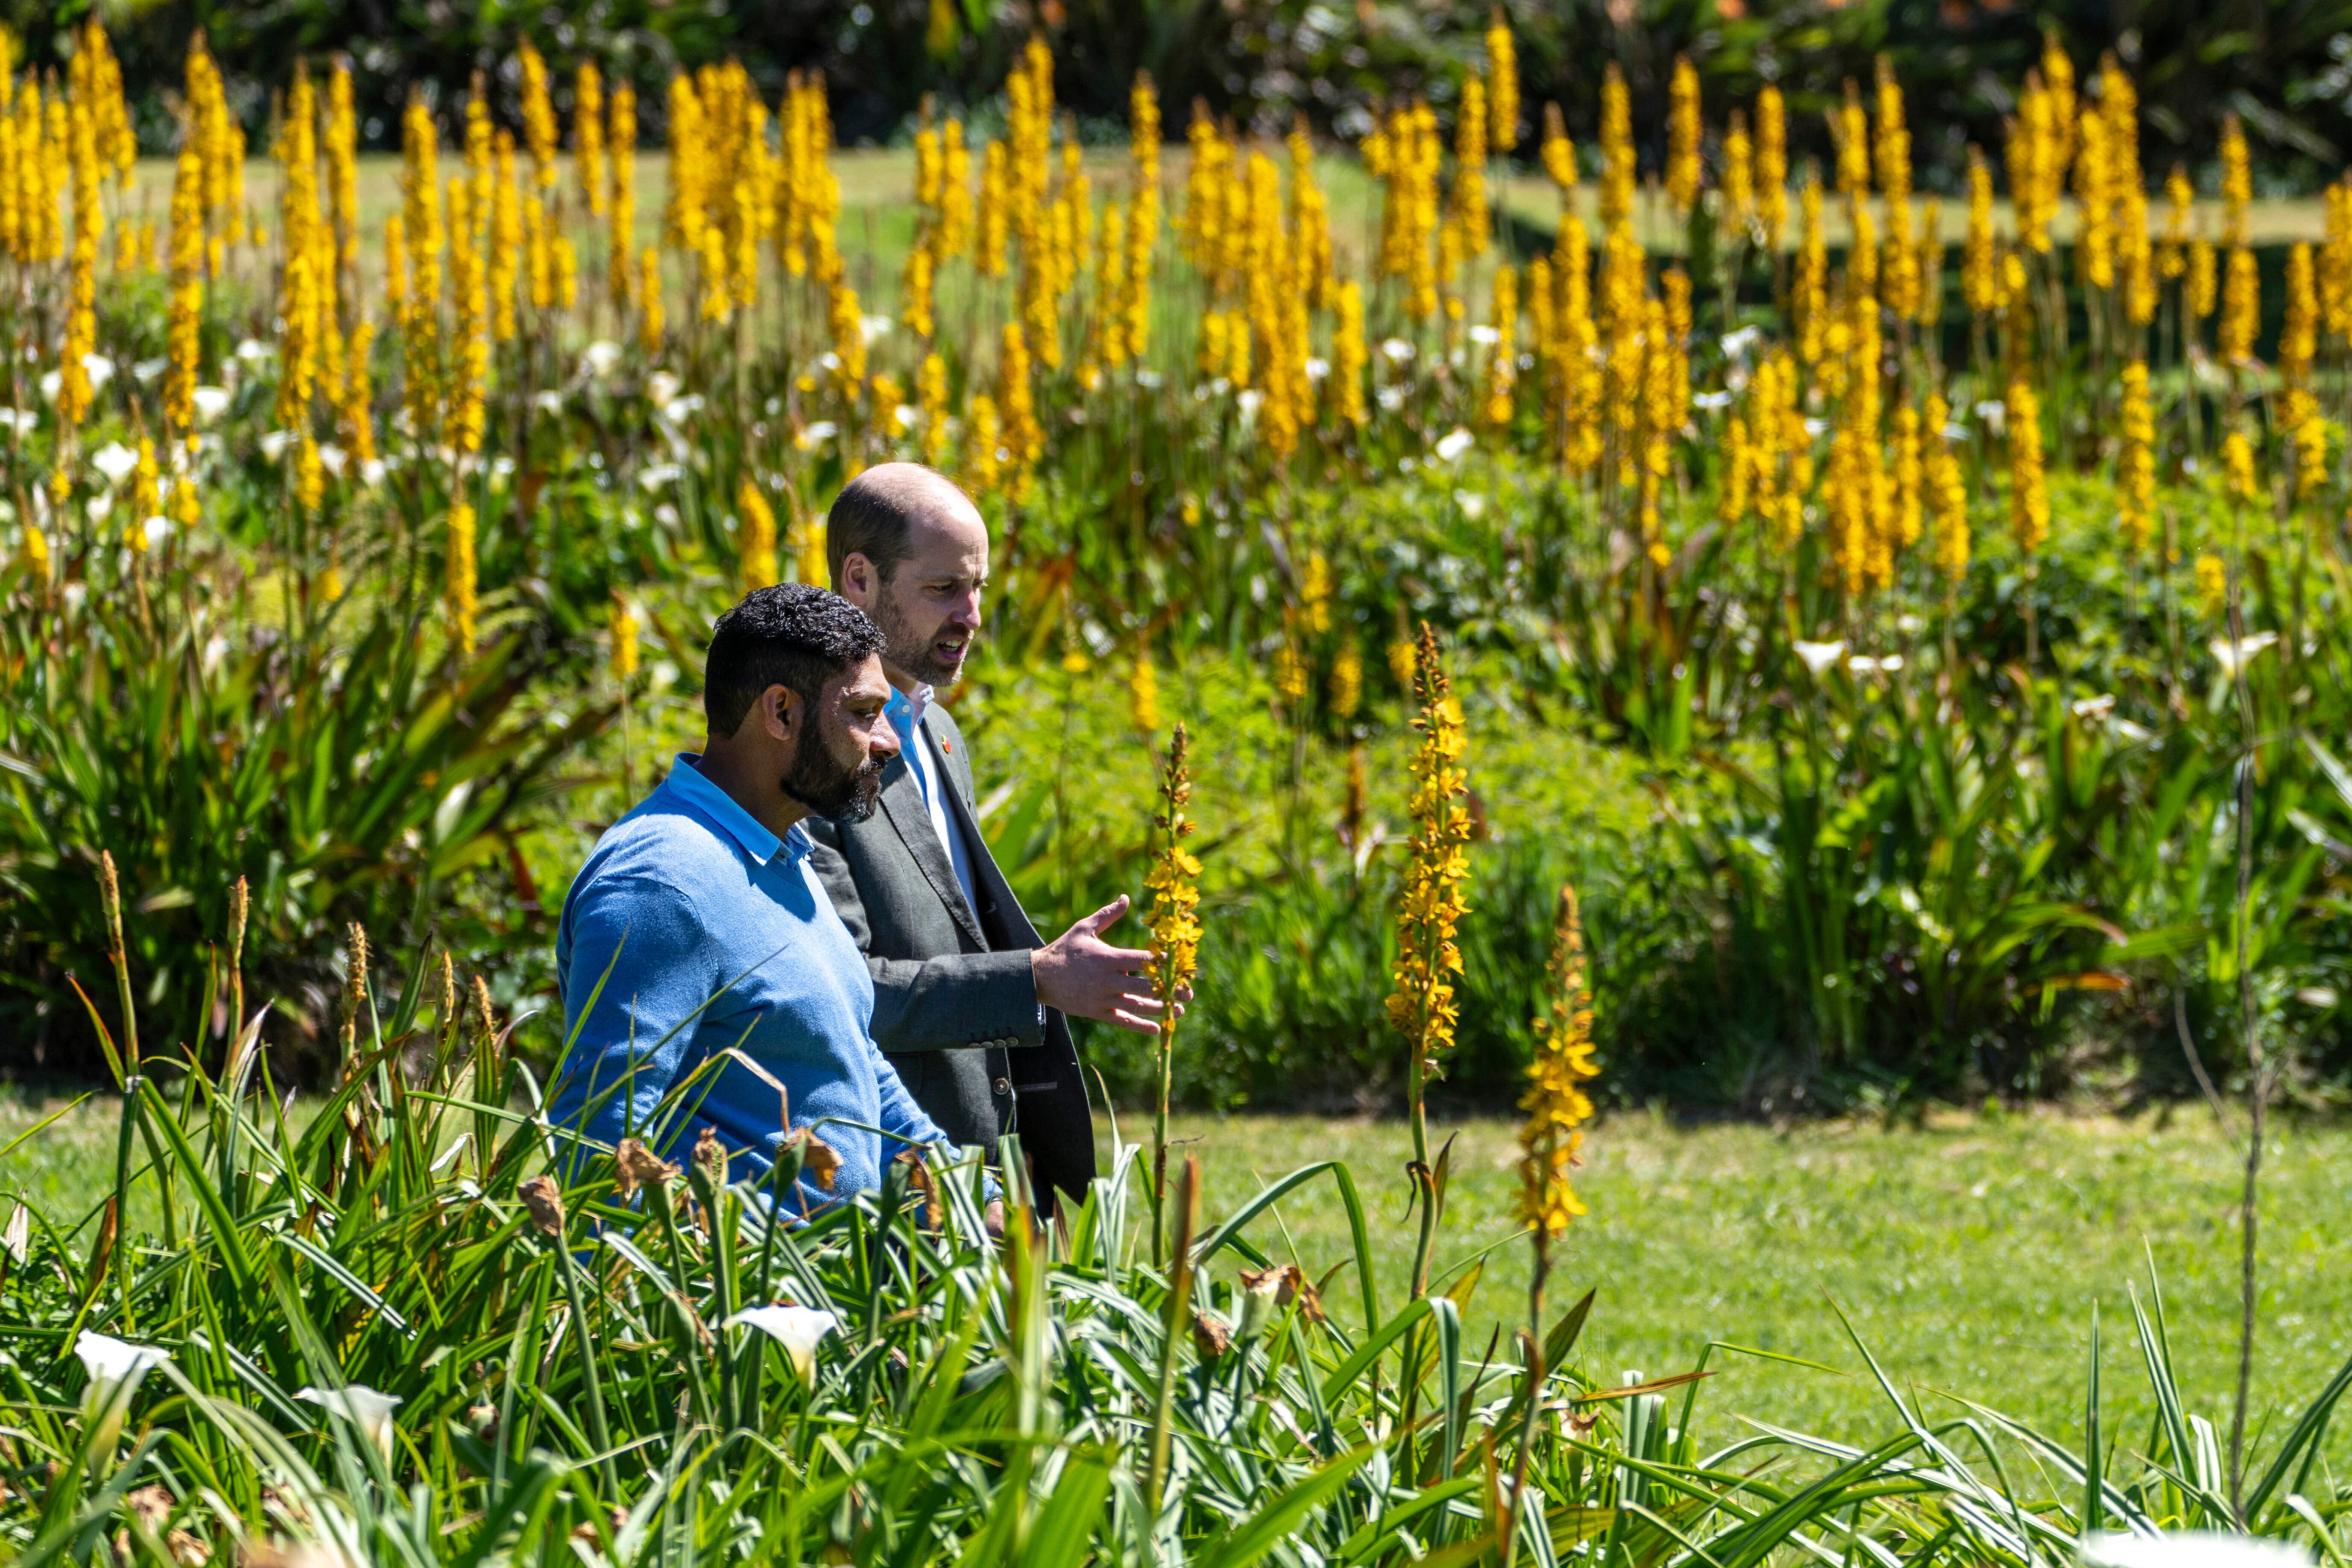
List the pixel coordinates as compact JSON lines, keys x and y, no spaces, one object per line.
{"x":391,"y":1336}
{"x":344,"y":771}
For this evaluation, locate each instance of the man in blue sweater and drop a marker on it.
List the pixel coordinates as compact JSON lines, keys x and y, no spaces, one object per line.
{"x":698,"y":942}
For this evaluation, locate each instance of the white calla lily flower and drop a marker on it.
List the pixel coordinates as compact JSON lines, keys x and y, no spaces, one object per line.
{"x":366,"y":1408}
{"x":1820,"y":656}
{"x":600,"y":357}
{"x":2088,"y":709}
{"x":2191,"y":1548}
{"x":1455,"y":442}
{"x":797,"y":1329}
{"x":115,"y":460}
{"x":211,"y":402}
{"x":115,"y":1368}
{"x":2230,"y":654}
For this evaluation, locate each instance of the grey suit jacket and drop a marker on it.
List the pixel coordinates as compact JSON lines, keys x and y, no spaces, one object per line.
{"x":955,"y":1000}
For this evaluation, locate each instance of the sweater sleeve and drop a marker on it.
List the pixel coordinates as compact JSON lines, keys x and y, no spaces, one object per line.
{"x":901,"y":1116}
{"x":638,"y":982}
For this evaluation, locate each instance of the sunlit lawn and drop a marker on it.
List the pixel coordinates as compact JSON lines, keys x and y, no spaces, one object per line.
{"x":1966,"y":1255}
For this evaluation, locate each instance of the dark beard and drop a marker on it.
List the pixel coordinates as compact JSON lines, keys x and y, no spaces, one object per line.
{"x":830,"y":789}
{"x":902,"y":647}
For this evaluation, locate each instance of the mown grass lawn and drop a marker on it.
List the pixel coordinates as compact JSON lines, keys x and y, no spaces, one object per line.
{"x":1967,"y":1255}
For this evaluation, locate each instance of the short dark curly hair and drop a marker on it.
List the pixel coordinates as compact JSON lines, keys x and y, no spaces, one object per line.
{"x":793,"y":635}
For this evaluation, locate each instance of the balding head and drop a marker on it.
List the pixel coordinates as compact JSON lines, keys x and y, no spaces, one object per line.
{"x":910,"y":550}
{"x":877,"y":515}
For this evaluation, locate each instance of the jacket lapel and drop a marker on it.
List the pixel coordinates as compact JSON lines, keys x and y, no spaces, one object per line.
{"x":902,"y":801}
{"x":988,"y":879}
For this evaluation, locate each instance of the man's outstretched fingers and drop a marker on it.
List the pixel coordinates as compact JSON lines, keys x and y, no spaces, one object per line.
{"x":1106,"y":916}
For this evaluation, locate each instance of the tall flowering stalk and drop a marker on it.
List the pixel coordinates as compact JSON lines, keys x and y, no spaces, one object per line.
{"x":625,"y":668}
{"x":1557,"y":1108}
{"x":1429,"y":912}
{"x":1175,"y":883}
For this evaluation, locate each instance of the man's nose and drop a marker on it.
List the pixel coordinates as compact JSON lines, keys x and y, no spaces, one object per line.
{"x":966,"y":614}
{"x":885,"y":742}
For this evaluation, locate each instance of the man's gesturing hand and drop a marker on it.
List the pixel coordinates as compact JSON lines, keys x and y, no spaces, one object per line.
{"x":1087,"y":977}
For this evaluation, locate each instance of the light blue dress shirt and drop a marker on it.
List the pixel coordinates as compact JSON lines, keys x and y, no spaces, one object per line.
{"x":696,"y":931}
{"x":906,"y":715}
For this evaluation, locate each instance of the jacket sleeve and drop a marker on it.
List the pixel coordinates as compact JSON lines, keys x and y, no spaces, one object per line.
{"x":945,"y":1003}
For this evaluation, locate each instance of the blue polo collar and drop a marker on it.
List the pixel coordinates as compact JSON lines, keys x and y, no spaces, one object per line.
{"x":685,"y":782}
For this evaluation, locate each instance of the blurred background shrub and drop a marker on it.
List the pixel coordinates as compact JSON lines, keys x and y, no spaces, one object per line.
{"x":2284,"y":68}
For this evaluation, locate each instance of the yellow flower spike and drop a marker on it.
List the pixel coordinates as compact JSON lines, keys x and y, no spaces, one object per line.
{"x":1349,"y":357}
{"x":1771,"y":166}
{"x":983,"y":465}
{"x":1616,"y":149}
{"x":358,"y":420}
{"x":459,"y":577}
{"x":2237,"y":182}
{"x":2238,"y":467}
{"x":2212,"y":586}
{"x":2029,"y":491}
{"x":1174,"y":883}
{"x":1684,"y":131}
{"x":621,"y":199}
{"x":624,"y":626}
{"x":1948,"y":494}
{"x":2241,"y":308}
{"x":1555,"y":1102}
{"x":1023,"y":438}
{"x":508,"y":244}
{"x":1347,"y":691}
{"x":421,"y":238}
{"x":1430,"y":901}
{"x":1143,"y":693}
{"x":756,"y":543}
{"x":588,"y":136}
{"x":649,"y":301}
{"x":2180,"y":202}
{"x":2136,"y":467}
{"x":1470,"y":208}
{"x":1498,"y":404}
{"x":2203,"y":276}
{"x":537,"y":118}
{"x":932,"y":399}
{"x":184,"y":320}
{"x":1503,"y":83}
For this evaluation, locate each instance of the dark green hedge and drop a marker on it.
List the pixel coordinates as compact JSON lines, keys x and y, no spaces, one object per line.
{"x":2286,"y":69}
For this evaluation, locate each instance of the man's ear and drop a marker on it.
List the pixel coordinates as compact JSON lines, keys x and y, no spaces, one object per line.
{"x":780,"y":710}
{"x":855,"y":580}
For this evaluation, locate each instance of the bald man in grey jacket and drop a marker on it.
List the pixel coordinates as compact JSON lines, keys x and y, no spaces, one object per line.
{"x":972,"y":1007}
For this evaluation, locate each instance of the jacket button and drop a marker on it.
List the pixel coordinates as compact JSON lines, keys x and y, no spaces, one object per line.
{"x":1004,"y":1086}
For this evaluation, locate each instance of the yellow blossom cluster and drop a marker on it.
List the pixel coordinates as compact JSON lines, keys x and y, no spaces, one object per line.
{"x":1404,"y":154}
{"x":807,"y":195}
{"x":2137,"y":467}
{"x":1556,"y":1101}
{"x":1430,"y":903}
